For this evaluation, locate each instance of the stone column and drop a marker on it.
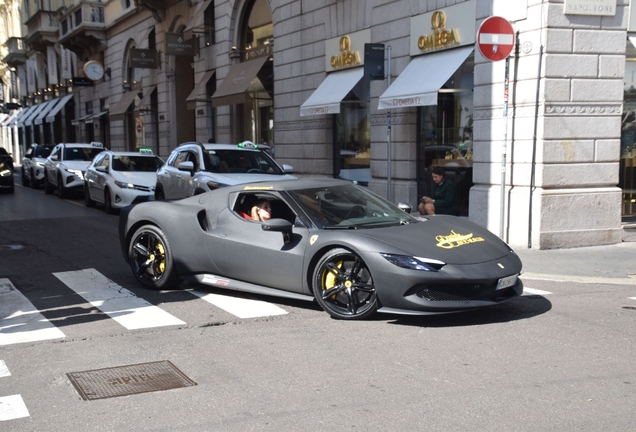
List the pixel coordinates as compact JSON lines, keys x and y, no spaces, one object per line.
{"x":574,"y":201}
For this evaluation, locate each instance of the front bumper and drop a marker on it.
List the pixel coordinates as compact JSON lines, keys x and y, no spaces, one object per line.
{"x":125,"y":197}
{"x":72,"y":181}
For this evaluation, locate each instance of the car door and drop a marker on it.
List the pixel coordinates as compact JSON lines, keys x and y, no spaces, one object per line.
{"x":170,"y":174}
{"x":242,"y":250}
{"x":183,"y":184}
{"x":52,"y":162}
{"x":96,"y":179}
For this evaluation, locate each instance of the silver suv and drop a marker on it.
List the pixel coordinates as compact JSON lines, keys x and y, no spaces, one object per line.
{"x":194,"y":168}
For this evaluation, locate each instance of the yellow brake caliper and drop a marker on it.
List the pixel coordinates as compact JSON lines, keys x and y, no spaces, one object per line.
{"x":330,"y":279}
{"x":162,"y":263}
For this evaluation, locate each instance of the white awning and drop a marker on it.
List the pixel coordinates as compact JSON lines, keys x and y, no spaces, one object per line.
{"x":34,"y":113}
{"x":45,"y":110}
{"x":327,"y":97}
{"x":11,"y":120}
{"x":50,"y":118}
{"x":420,"y":81}
{"x":25,"y":114}
{"x":118,"y":111}
{"x":199,"y":94}
{"x":632,"y":39}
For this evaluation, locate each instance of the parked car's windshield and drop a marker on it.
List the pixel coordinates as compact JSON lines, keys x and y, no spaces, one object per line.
{"x":240,"y":161}
{"x":137,"y":163}
{"x":348,"y":206}
{"x":81,"y":153}
{"x":42,"y":152}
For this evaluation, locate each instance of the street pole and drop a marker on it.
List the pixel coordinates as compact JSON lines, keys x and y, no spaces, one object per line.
{"x":388,"y":128}
{"x":504,"y":149}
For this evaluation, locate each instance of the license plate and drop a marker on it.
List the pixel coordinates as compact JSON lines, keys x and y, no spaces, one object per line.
{"x":507,"y":282}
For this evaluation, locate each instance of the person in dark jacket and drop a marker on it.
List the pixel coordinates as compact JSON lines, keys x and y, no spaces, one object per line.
{"x":444,"y":199}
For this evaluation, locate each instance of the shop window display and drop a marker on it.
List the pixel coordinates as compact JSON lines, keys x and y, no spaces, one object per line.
{"x":352,"y":134}
{"x":628,"y":137}
{"x":445,"y":136}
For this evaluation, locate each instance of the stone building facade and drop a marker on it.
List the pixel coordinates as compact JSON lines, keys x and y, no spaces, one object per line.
{"x":295,"y":74}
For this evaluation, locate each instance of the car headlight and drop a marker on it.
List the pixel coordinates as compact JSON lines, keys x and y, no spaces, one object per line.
{"x":125,"y":185}
{"x":5,"y":173}
{"x":215,"y":185}
{"x":414,"y":263}
{"x":78,"y":173}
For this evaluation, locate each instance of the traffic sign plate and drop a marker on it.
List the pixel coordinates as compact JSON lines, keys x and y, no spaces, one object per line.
{"x":495,"y":38}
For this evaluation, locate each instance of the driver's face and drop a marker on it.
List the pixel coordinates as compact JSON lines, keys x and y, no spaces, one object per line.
{"x":265,"y":212}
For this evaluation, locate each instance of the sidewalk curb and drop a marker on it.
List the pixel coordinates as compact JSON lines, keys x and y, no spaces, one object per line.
{"x":578,"y":279}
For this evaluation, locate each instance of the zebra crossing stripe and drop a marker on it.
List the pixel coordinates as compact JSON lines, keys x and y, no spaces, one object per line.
{"x":12,"y":407}
{"x":240,"y":307}
{"x":20,"y":321}
{"x":4,"y":370}
{"x":533,"y":291}
{"x":115,"y":301}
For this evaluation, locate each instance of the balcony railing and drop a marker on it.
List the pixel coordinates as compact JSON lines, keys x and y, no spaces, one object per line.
{"x":85,"y":14}
{"x":15,"y":45}
{"x":42,"y":22}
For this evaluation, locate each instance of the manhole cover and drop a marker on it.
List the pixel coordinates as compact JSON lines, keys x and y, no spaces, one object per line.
{"x":127,"y":380}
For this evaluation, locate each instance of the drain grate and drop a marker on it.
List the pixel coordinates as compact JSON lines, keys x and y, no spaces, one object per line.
{"x":127,"y":380}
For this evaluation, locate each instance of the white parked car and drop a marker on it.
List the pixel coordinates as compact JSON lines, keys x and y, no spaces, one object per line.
{"x":194,"y":168}
{"x":33,"y":165}
{"x":65,"y":167}
{"x":119,"y":179}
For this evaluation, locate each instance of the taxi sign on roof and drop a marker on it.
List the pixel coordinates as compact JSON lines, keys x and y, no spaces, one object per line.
{"x":144,"y":150}
{"x":97,"y":144}
{"x":247,"y":144}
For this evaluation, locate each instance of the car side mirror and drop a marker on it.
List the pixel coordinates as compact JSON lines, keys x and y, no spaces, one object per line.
{"x":406,"y":208}
{"x":288,"y":169}
{"x":101,"y":168}
{"x":54,"y":158}
{"x":279,"y":225}
{"x":186,"y":166}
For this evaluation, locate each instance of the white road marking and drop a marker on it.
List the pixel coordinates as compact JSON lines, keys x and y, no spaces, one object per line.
{"x":533,"y":291}
{"x":4,"y":370}
{"x":115,"y":301}
{"x":240,"y":307}
{"x":20,"y":321}
{"x":12,"y":407}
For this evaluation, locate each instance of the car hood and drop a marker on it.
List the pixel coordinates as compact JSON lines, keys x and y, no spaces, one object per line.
{"x":138,"y":178}
{"x":76,"y":165}
{"x":450,"y":239}
{"x":234,"y":179}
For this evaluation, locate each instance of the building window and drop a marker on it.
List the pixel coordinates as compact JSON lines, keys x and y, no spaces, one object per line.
{"x":445,"y":134}
{"x":208,"y":25}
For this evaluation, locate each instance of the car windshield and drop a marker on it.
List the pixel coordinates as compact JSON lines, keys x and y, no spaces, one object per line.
{"x":42,"y":152}
{"x":348,"y":206}
{"x":137,"y":163}
{"x":81,"y":153}
{"x":240,"y":161}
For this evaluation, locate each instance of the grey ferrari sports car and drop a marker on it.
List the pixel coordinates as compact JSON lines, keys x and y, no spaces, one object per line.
{"x":329,"y":240}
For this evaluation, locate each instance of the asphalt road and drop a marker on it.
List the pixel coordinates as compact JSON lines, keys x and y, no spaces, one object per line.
{"x":558,"y":359}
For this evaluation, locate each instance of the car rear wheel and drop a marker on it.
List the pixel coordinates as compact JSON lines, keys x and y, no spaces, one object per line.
{"x":87,"y":197}
{"x":48,"y":187}
{"x":151,"y":259}
{"x":63,"y":192}
{"x":108,"y":203}
{"x":25,"y":180}
{"x":343,"y":286}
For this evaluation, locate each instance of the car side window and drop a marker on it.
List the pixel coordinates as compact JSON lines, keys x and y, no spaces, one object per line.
{"x":280,"y":210}
{"x":98,"y":159}
{"x":193,"y":157}
{"x":56,"y":151}
{"x":181,"y":157}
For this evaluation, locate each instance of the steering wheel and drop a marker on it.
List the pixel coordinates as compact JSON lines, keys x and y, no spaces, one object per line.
{"x":355,"y":212}
{"x":254,"y":170}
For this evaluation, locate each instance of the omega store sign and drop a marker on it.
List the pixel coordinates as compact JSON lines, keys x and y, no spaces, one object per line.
{"x":346,"y":51}
{"x":443,"y":29}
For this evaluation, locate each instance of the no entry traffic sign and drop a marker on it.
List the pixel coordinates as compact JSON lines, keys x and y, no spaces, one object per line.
{"x":495,"y":38}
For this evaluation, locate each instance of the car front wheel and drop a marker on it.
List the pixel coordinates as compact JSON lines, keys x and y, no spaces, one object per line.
{"x":151,"y":258}
{"x":108,"y":203}
{"x":63,"y":192}
{"x":25,"y":180}
{"x":48,"y":187}
{"x":343,"y":286}
{"x":88,"y":201}
{"x":159,"y":195}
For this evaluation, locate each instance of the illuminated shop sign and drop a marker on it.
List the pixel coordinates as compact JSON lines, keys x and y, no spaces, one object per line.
{"x":443,"y":29}
{"x":346,"y":51}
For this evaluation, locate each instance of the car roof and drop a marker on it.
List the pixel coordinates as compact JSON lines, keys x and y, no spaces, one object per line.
{"x":80,"y":145}
{"x":129,"y":153}
{"x":287,"y":185}
{"x":222,"y":146}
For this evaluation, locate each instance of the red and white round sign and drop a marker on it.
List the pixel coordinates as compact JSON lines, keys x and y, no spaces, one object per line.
{"x":495,"y":38}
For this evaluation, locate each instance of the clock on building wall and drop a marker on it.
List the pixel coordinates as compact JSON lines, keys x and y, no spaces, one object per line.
{"x":93,"y":70}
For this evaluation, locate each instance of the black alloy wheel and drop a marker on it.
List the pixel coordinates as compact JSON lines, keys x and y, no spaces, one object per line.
{"x":108,"y":203}
{"x":151,"y":259}
{"x":88,"y":201}
{"x":343,"y":286}
{"x":34,"y":182}
{"x":62,"y":191}
{"x":48,"y":187}
{"x":25,"y":180}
